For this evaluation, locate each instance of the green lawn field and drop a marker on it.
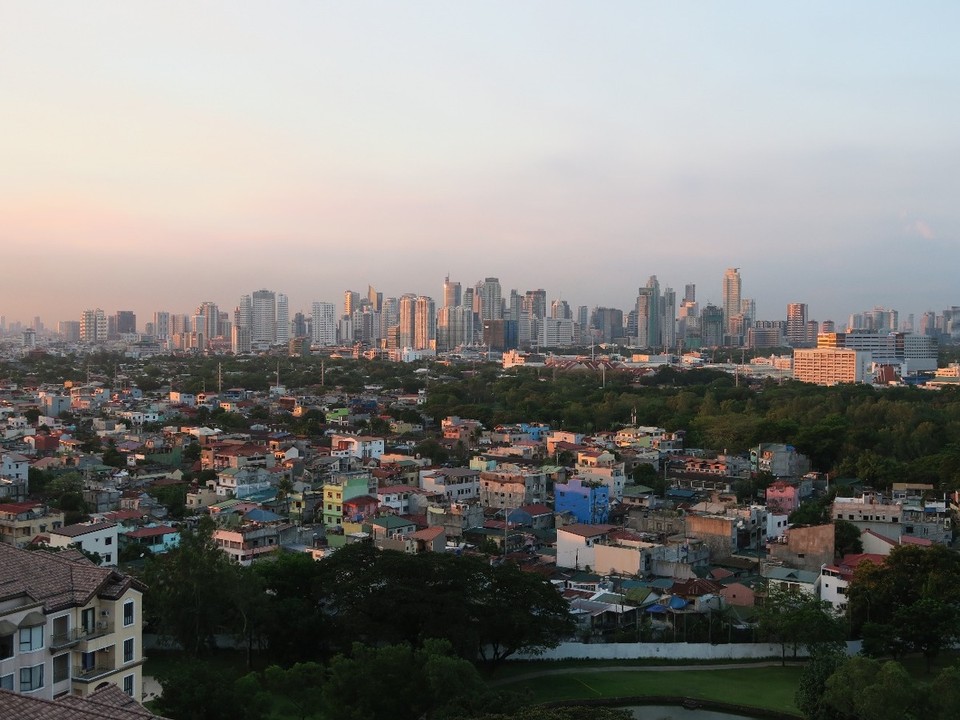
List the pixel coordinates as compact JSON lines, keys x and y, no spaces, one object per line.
{"x":766,"y":687}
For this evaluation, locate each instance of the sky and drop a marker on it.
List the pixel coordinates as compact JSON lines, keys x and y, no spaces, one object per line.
{"x":154,"y":155}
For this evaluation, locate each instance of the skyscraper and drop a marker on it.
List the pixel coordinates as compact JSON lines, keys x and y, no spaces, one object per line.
{"x":490,"y":299}
{"x":126,"y":322}
{"x":731,"y":298}
{"x":324,"y":324}
{"x":263,"y":325}
{"x":535,"y":303}
{"x":351,"y":301}
{"x":668,"y":318}
{"x":282,"y":333}
{"x":648,"y":314}
{"x":451,"y":293}
{"x":797,"y":324}
{"x":425,"y":324}
{"x":375,"y":298}
{"x":408,"y":315}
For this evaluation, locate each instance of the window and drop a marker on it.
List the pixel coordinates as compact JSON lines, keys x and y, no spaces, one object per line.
{"x":6,"y":682}
{"x":31,"y":638}
{"x":128,"y":613}
{"x":108,"y":558}
{"x":61,"y":668}
{"x":108,"y":541}
{"x":128,"y":685}
{"x":6,"y":646}
{"x":31,"y":678}
{"x":128,"y":650}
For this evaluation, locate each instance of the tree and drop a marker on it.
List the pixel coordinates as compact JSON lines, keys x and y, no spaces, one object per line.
{"x":863,"y":689}
{"x":196,"y":690}
{"x":846,"y":538}
{"x":824,"y":662}
{"x":187,"y":589}
{"x":795,"y":619}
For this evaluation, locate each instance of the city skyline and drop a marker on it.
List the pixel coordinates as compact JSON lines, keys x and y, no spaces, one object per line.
{"x":158,"y":152}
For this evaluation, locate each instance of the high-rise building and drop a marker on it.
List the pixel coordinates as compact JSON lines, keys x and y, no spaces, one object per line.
{"x":375,"y":298}
{"x":298,"y":325}
{"x":324,"y":324}
{"x":207,"y":322}
{"x":408,"y":302}
{"x":69,"y":330}
{"x":731,"y":297}
{"x":263,"y":319}
{"x":690,"y":293}
{"x":454,"y":327}
{"x":535,"y":303}
{"x":93,"y":326}
{"x":796,"y":324}
{"x":668,"y":318}
{"x":240,"y":340}
{"x":126,"y":322}
{"x":451,"y":293}
{"x":648,"y":314}
{"x":425,"y":324}
{"x":161,"y":325}
{"x":560,"y":310}
{"x":711,"y":326}
{"x":282,"y":332}
{"x":351,"y":301}
{"x":389,"y":316}
{"x":490,"y":299}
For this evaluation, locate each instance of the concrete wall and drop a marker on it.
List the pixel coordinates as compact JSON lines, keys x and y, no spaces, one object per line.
{"x":667,"y":651}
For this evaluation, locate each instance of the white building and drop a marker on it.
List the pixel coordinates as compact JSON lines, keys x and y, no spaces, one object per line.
{"x":92,"y":537}
{"x":457,"y":484}
{"x":323,"y":326}
{"x":358,"y":446}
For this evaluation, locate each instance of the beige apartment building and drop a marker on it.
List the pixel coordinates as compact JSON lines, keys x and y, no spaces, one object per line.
{"x":67,"y":626}
{"x":831,"y":366}
{"x":21,"y":522}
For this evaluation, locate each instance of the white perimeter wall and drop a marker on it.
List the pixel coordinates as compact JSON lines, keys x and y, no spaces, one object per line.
{"x":668,"y":651}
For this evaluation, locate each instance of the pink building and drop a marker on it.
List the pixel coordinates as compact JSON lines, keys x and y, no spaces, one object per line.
{"x":783,"y":498}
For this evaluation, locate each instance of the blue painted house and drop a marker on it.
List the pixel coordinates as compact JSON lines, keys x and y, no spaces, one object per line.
{"x":588,"y":500}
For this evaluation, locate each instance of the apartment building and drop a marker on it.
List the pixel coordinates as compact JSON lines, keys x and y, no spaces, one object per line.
{"x":67,"y":626}
{"x":21,"y":522}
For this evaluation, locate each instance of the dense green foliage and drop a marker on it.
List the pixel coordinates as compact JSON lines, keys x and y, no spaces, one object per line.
{"x":908,"y":604}
{"x":796,"y":620}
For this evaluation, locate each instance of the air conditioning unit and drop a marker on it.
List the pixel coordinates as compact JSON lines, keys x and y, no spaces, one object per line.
{"x":104,"y":613}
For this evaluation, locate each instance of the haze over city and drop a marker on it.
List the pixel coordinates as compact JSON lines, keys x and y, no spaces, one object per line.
{"x":156,"y":156}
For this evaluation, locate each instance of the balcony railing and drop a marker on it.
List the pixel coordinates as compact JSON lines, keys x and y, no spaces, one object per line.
{"x":80,"y":634}
{"x":88,"y":674}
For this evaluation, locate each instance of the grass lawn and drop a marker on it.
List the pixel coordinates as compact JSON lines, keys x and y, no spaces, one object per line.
{"x":767,"y":687}
{"x":516,"y":668}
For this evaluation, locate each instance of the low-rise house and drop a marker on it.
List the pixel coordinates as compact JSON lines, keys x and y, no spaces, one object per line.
{"x":806,"y":548}
{"x":575,"y":544}
{"x":67,"y":626}
{"x":260,"y":533}
{"x":793,"y":580}
{"x":93,"y":537}
{"x":358,"y":446}
{"x":835,"y":579}
{"x":155,"y":538}
{"x":455,"y":518}
{"x":588,"y":500}
{"x":510,"y":486}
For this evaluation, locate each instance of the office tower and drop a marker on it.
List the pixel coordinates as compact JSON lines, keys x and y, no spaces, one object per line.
{"x":112,"y":327}
{"x":389,"y":316}
{"x":490,"y":299}
{"x":180,"y":324}
{"x":451,"y":293}
{"x":928,"y":323}
{"x":375,"y":298}
{"x":796,"y":324}
{"x":93,"y":326}
{"x":243,"y":315}
{"x":668,"y":318}
{"x":207,"y":322}
{"x":126,"y":322}
{"x":69,"y":330}
{"x":514,"y":306}
{"x":366,"y":324}
{"x":454,"y":327}
{"x":37,"y":325}
{"x":813,"y":329}
{"x":282,"y":333}
{"x":607,"y":324}
{"x":161,"y":325}
{"x":583,"y":316}
{"x":731,"y":297}
{"x":263,"y":320}
{"x":560,"y":310}
{"x":535,"y":303}
{"x":298,"y":325}
{"x":408,"y":303}
{"x":648,"y":314}
{"x":470,"y":300}
{"x":711,"y":326}
{"x":324,"y":324}
{"x":240,"y":340}
{"x":425,"y":324}
{"x":828,"y":326}
{"x":351,"y":301}
{"x":688,"y":322}
{"x":690,"y":293}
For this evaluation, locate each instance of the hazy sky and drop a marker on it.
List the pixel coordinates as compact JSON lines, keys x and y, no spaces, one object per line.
{"x":157,"y":154}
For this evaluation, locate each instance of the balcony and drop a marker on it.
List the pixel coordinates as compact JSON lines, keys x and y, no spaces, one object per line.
{"x":58,"y":641}
{"x":89,"y":674}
